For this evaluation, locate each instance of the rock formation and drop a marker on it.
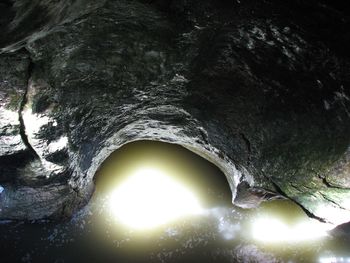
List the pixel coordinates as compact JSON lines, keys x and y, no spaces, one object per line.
{"x":260,"y":88}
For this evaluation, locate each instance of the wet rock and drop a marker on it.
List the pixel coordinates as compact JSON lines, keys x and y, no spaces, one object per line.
{"x":24,"y":21}
{"x":13,"y":70}
{"x":254,"y":87}
{"x":13,"y":150}
{"x":251,"y":197}
{"x":342,"y":232}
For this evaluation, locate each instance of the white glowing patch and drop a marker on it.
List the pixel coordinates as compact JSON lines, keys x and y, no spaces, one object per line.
{"x":59,"y":144}
{"x":8,"y":117}
{"x":149,"y":198}
{"x":34,"y":121}
{"x":334,"y":214}
{"x":33,"y":124}
{"x":334,"y":259}
{"x":275,"y":230}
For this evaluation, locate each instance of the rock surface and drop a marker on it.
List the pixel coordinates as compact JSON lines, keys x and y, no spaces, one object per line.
{"x":260,"y":88}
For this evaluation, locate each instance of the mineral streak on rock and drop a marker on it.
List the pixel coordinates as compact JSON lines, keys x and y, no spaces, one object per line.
{"x":258,"y":88}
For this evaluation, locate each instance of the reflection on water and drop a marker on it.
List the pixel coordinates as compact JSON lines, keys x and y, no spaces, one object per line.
{"x":284,"y":221}
{"x":220,"y":233}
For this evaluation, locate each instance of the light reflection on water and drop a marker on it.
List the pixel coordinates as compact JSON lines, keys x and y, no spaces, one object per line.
{"x":220,"y":234}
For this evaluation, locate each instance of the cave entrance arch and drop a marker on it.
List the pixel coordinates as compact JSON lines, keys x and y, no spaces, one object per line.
{"x":202,"y":176}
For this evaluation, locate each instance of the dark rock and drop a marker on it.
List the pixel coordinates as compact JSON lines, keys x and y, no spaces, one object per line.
{"x":24,"y":21}
{"x":255,"y":87}
{"x":342,"y":232}
{"x":251,"y":197}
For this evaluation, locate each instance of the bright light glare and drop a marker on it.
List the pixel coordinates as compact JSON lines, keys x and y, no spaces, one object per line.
{"x":274,"y":230}
{"x":149,"y":198}
{"x":334,"y":259}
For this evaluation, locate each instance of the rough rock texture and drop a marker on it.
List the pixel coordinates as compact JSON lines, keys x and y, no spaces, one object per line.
{"x":13,"y":84}
{"x":260,"y":88}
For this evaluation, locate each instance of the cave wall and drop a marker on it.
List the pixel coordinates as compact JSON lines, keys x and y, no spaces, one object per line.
{"x":260,"y":88}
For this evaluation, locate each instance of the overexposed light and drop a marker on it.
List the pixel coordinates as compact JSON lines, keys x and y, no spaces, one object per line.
{"x":149,"y":198}
{"x":8,"y":116}
{"x":333,"y":213}
{"x":334,"y":259}
{"x":58,"y":145}
{"x":275,"y":230}
{"x":34,"y":121}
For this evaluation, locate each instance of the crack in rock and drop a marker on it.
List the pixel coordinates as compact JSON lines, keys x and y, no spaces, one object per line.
{"x":307,"y":211}
{"x":21,"y":108}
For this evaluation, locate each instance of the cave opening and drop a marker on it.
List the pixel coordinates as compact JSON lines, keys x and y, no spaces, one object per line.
{"x":159,"y":182}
